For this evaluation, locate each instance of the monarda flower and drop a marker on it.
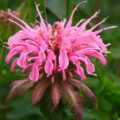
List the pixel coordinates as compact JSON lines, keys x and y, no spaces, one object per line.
{"x":52,"y":55}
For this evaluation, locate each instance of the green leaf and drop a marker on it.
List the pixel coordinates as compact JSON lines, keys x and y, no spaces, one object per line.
{"x":22,"y":108}
{"x":58,"y":7}
{"x":92,"y":114}
{"x":115,"y":52}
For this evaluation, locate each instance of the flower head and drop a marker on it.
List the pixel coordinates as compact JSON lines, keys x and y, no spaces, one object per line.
{"x":51,"y":51}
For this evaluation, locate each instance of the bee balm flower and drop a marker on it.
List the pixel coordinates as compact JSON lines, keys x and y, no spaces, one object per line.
{"x":47,"y":52}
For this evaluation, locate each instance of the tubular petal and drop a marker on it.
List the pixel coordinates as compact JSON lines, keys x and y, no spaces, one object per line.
{"x":63,"y":59}
{"x":34,"y":74}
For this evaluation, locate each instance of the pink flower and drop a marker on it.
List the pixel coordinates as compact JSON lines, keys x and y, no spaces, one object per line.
{"x":50,"y":51}
{"x":57,"y":48}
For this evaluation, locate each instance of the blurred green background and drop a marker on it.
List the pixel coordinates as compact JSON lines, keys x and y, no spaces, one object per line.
{"x":106,"y":85}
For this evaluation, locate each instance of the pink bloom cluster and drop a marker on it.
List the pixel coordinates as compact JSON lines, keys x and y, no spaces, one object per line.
{"x":56,"y":49}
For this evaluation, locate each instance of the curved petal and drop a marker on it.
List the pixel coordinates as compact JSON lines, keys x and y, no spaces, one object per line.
{"x":80,"y":72}
{"x":48,"y":67}
{"x":34,"y":74}
{"x":98,"y":55}
{"x":18,"y":37}
{"x":13,"y":65}
{"x":22,"y":60}
{"x":63,"y":59}
{"x":13,"y":52}
{"x":83,"y":26}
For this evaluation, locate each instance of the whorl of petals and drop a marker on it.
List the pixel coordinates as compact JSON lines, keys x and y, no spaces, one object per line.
{"x":58,"y":48}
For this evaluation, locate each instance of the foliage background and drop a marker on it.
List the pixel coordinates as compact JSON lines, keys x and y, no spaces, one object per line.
{"x":106,"y":85}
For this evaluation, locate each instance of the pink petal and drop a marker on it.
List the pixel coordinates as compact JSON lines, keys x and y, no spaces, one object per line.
{"x":21,"y":21}
{"x":80,"y":72}
{"x":102,"y":21}
{"x":13,"y":52}
{"x":48,"y":67}
{"x":42,"y":55}
{"x":71,"y":17}
{"x":22,"y":60}
{"x":103,"y":29}
{"x":97,"y":55}
{"x":34,"y":74}
{"x":27,"y":67}
{"x":101,"y":45}
{"x":83,"y":26}
{"x":72,"y":14}
{"x":92,"y":52}
{"x":13,"y":65}
{"x":89,"y":65}
{"x":63,"y":59}
{"x":31,"y":42}
{"x":51,"y":54}
{"x":28,"y":47}
{"x":17,"y":38}
{"x":42,"y":21}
